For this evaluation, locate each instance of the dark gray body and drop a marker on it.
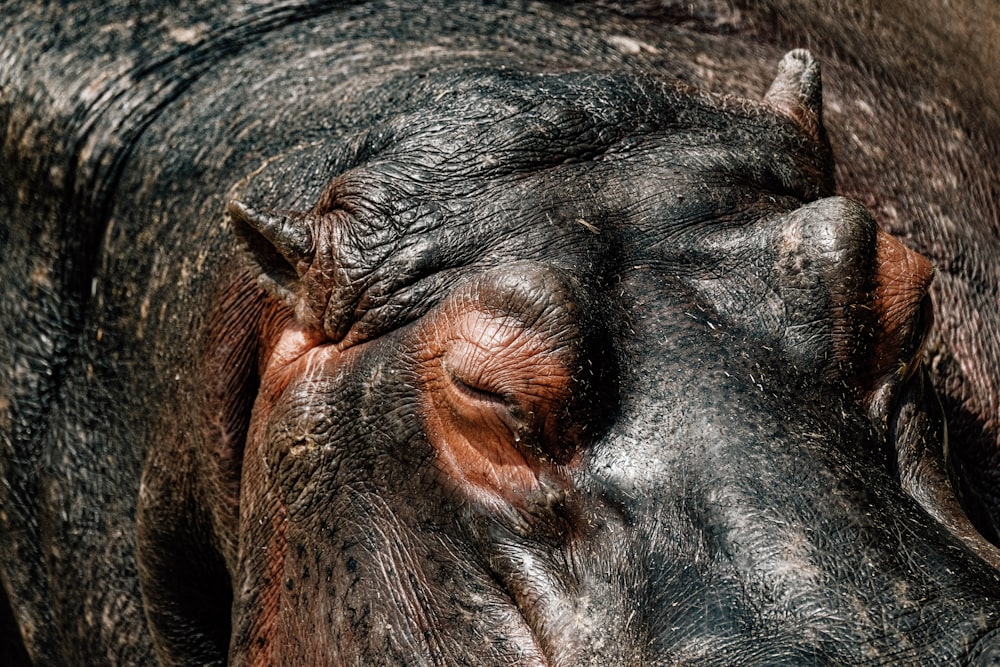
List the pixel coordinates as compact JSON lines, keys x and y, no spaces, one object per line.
{"x":728,"y":502}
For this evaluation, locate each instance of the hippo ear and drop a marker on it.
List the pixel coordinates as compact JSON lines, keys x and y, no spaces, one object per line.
{"x":797,"y":92}
{"x":280,"y":245}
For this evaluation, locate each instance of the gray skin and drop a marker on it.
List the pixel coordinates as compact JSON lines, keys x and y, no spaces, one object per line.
{"x":266,"y":270}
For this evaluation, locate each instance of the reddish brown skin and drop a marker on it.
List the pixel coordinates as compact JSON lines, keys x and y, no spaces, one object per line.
{"x":901,"y":283}
{"x":281,"y":362}
{"x":478,"y":440}
{"x":142,"y":367}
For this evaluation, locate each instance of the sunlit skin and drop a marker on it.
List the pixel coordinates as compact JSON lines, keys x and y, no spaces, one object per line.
{"x":499,"y":333}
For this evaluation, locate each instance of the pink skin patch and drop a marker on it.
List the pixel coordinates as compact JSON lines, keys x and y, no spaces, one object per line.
{"x":492,"y":388}
{"x":901,"y":282}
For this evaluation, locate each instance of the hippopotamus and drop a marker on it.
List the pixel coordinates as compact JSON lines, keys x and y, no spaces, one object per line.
{"x":499,"y":333}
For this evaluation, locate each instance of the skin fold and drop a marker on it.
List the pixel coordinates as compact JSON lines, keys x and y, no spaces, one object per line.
{"x":509,"y":333}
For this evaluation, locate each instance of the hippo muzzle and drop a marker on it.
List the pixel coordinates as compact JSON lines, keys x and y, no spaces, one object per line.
{"x":493,"y":333}
{"x":660,"y":420}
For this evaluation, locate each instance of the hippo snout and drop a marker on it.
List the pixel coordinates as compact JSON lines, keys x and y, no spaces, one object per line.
{"x":497,"y":333}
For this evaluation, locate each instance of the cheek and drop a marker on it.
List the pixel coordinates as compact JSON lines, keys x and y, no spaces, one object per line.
{"x":290,"y":354}
{"x":280,"y":453}
{"x":300,"y":413}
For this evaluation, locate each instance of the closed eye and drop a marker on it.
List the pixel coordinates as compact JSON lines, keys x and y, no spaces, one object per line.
{"x":473,"y":392}
{"x":508,"y":412}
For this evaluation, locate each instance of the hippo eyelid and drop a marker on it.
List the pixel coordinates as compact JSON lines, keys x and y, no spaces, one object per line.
{"x":471,"y":390}
{"x":505,"y":407}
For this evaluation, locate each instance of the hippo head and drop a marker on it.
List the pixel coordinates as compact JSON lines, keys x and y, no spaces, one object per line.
{"x":579,"y":369}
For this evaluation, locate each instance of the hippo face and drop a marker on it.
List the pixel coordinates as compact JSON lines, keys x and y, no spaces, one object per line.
{"x":588,"y":369}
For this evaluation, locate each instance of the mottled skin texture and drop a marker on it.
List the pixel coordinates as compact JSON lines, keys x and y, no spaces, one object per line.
{"x":521,"y":352}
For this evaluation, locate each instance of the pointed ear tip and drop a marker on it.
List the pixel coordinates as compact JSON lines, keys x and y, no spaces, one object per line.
{"x":802,"y":58}
{"x":799,"y":71}
{"x":797,"y":91}
{"x":239,"y":210}
{"x":798,"y":82}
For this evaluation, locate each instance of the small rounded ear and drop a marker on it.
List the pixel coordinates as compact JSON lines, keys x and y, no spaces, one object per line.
{"x":281,"y":246}
{"x":797,"y":92}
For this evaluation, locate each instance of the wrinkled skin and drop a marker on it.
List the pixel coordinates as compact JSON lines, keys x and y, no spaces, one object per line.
{"x":496,"y":335}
